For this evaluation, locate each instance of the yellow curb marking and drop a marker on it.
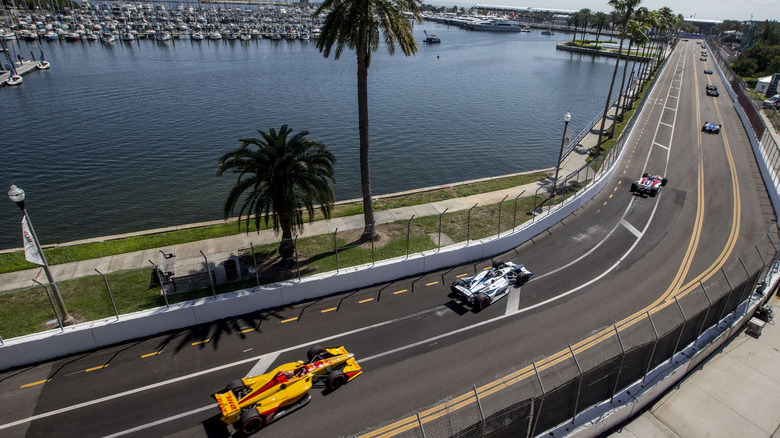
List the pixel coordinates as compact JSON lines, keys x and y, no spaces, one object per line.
{"x":247,"y":330}
{"x":365,"y":301}
{"x":151,"y":354}
{"x":288,"y":320}
{"x":399,"y":292}
{"x":27,"y":385}
{"x":431,"y":284}
{"x":330,"y":310}
{"x":461,"y":275}
{"x":201,"y":342}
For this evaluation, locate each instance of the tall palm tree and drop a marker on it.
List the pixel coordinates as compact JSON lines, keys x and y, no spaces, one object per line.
{"x":586,"y":16}
{"x":357,"y":25}
{"x":600,"y":19}
{"x":636,"y":34}
{"x":277,"y":177}
{"x":626,"y":9}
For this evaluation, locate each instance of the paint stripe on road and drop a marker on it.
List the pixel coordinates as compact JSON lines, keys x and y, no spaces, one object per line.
{"x":27,"y":385}
{"x":262,"y":365}
{"x":512,"y":300}
{"x":631,"y":228}
{"x":163,"y":421}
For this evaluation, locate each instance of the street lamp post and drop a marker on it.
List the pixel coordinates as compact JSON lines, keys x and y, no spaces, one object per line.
{"x":566,"y":120}
{"x":17,"y":195}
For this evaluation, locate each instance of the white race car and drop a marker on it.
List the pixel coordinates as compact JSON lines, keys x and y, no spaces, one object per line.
{"x":490,"y":285}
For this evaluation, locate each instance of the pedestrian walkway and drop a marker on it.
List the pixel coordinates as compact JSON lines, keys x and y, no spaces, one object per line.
{"x":223,"y":248}
{"x":734,"y":394}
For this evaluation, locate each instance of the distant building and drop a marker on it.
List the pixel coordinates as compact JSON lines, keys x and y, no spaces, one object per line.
{"x":763,"y":84}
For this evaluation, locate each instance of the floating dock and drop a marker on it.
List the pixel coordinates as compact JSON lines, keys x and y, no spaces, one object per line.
{"x":25,"y":68}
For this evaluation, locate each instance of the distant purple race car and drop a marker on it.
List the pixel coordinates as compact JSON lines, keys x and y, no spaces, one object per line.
{"x":649,"y":185}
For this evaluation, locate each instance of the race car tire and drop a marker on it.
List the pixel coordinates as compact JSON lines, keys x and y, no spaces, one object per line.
{"x":521,"y":279}
{"x":238,"y":388}
{"x":481,"y":301}
{"x":645,"y":175}
{"x":498,"y":264}
{"x":653,"y":193}
{"x":458,"y":282}
{"x":634,"y":187}
{"x":663,"y":182}
{"x":251,"y":421}
{"x":336,"y":379}
{"x":314,"y":352}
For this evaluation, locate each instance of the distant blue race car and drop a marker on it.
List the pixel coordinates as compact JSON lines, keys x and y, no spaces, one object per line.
{"x":711,"y":128}
{"x":707,"y":72}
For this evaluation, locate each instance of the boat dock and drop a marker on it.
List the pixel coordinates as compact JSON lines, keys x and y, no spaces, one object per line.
{"x":26,"y":67}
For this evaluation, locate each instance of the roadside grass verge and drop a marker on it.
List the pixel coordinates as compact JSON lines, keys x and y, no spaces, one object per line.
{"x":87,"y":299}
{"x":15,"y":261}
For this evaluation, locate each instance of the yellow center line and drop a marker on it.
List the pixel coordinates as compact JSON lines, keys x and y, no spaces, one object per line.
{"x":247,"y":330}
{"x":201,"y":342}
{"x":399,"y":292}
{"x":461,"y":275}
{"x":151,"y":354}
{"x":27,"y":385}
{"x":95,"y":368}
{"x":288,"y":320}
{"x":431,"y":284}
{"x":329,"y":310}
{"x":365,"y":301}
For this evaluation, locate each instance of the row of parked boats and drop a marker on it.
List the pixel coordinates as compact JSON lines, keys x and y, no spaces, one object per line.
{"x":130,"y":22}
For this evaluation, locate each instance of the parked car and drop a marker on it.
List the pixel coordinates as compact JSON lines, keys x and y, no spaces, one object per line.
{"x":772,"y":102}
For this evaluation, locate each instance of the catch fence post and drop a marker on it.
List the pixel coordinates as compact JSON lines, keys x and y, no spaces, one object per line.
{"x":750,"y":289}
{"x":110,"y":295}
{"x":162,"y":288}
{"x":254,"y":260}
{"x":440,"y":216}
{"x":468,"y":226}
{"x":579,"y":384}
{"x":408,"y":234}
{"x":419,"y":421}
{"x":373,"y":259}
{"x":707,"y":313}
{"x":541,"y":402}
{"x":655,"y":344}
{"x":208,"y":270}
{"x":499,"y":214}
{"x":57,"y":316}
{"x":679,"y":337}
{"x":620,"y":366}
{"x":297,"y":261}
{"x":514,"y":216}
{"x":479,"y":405}
{"x":336,"y":249}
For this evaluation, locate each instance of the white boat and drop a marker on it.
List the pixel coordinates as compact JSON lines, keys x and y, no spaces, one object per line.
{"x":197,"y":36}
{"x":245,"y":36}
{"x":215,"y":35}
{"x":163,"y":36}
{"x":51,"y":36}
{"x":108,"y":37}
{"x":497,"y":26}
{"x":14,"y":78}
{"x":127,"y":36}
{"x":43,"y":65}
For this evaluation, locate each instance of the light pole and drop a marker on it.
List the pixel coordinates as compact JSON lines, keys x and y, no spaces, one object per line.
{"x":17,"y":195}
{"x":566,"y":120}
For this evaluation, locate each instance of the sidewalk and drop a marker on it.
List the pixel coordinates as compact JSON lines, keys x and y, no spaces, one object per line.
{"x":736,"y":393}
{"x":223,"y":248}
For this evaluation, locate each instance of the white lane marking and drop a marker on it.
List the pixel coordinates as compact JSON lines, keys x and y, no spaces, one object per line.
{"x":163,"y":421}
{"x":631,"y":228}
{"x":262,"y":364}
{"x":660,"y":145}
{"x":512,"y":299}
{"x":210,"y":370}
{"x":666,"y":124}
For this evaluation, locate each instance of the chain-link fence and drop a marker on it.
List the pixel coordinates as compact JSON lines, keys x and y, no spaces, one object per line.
{"x":549,"y":393}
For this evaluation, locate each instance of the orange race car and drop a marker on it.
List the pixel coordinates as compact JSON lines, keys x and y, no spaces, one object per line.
{"x":253,"y":402}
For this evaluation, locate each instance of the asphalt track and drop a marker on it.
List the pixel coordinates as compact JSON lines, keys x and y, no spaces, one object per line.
{"x":610,"y":261}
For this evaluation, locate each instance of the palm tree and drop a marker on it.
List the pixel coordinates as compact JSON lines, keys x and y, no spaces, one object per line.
{"x":357,"y":25}
{"x":574,"y":20}
{"x":585,"y":17}
{"x":626,"y":10}
{"x":636,"y":34}
{"x":600,"y":19}
{"x":277,"y":177}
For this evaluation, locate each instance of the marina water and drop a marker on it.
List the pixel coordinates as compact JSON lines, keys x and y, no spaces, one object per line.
{"x":125,"y":137}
